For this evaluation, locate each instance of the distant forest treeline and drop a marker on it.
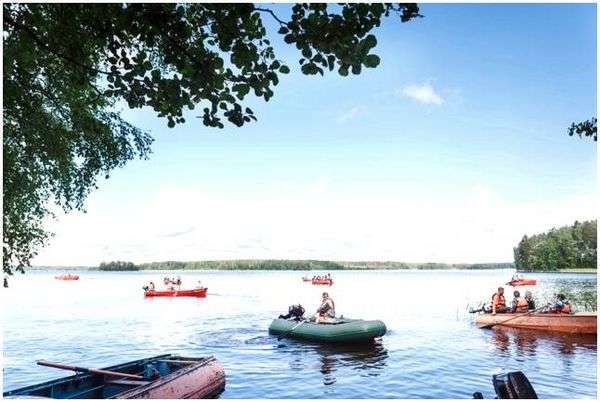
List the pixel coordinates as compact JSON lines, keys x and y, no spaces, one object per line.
{"x":118,"y":266}
{"x":566,"y":247}
{"x":308,"y":265}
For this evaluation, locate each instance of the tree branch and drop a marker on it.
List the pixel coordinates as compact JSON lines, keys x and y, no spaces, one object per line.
{"x":266,"y":10}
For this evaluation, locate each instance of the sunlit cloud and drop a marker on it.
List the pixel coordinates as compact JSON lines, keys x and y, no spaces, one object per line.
{"x":424,"y":93}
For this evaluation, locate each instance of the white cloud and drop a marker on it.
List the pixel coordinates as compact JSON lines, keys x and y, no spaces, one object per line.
{"x":349,"y":115}
{"x":424,"y":93}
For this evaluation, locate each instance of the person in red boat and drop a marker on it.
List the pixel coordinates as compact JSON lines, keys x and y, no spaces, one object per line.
{"x":519,"y":303}
{"x":499,"y":302}
{"x":561,"y":305}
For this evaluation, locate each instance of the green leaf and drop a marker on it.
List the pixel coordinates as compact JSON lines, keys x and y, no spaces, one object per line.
{"x":371,"y":61}
{"x":370,"y":41}
{"x":284,"y":69}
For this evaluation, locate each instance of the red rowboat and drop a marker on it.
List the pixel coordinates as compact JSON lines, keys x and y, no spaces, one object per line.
{"x":67,"y":277}
{"x":522,"y":282}
{"x":180,"y":378}
{"x":578,"y":323}
{"x":200,"y":292}
{"x":322,"y":281}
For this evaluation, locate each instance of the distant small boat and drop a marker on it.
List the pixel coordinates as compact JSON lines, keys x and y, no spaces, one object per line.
{"x":578,"y":323}
{"x":522,"y":282}
{"x":180,"y":378}
{"x":322,"y":281}
{"x":199,"y":292}
{"x":67,"y":277}
{"x":305,"y":279}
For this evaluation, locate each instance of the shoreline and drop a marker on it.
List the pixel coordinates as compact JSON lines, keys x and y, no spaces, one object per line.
{"x":80,"y":268}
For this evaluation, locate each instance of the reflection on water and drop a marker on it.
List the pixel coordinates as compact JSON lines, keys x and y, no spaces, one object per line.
{"x":527,"y":341}
{"x":364,"y":359}
{"x":432,"y":348}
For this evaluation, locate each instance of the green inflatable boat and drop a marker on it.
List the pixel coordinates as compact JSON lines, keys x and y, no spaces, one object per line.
{"x":341,"y":331}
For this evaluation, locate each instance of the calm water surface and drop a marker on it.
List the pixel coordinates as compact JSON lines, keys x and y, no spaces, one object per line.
{"x":432,"y":348}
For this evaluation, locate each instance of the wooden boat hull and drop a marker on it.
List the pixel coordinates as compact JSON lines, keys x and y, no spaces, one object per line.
{"x":579,"y":323}
{"x":523,"y":282}
{"x":181,"y":378}
{"x":201,"y":292}
{"x":348,"y":331}
{"x":67,"y":277}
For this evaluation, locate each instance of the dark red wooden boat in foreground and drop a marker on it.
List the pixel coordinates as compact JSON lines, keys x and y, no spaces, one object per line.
{"x":174,"y":378}
{"x":199,"y":292}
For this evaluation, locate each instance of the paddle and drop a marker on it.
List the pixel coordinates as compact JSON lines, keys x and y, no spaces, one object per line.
{"x":487,"y":326}
{"x":89,"y":370}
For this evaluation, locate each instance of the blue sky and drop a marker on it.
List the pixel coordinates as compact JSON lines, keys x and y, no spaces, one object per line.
{"x":449,"y":151}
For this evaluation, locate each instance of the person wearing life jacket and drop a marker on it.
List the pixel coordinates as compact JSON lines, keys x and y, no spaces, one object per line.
{"x":326,"y":311}
{"x":519,"y":304}
{"x":561,"y":305}
{"x":530,"y":301}
{"x":499,"y":302}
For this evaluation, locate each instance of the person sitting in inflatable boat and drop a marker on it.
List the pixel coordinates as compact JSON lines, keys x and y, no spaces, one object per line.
{"x":326,"y":311}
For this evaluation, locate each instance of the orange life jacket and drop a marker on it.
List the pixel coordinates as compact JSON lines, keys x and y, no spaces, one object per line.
{"x":498,"y":301}
{"x":522,"y":305}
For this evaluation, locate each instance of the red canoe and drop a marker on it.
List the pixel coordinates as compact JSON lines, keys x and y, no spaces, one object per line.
{"x":200,"y":292}
{"x":578,"y":323}
{"x":322,"y":282}
{"x":522,"y":282}
{"x":67,"y":277}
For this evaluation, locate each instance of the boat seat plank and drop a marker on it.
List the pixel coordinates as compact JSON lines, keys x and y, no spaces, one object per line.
{"x":128,"y":383}
{"x":77,"y":395}
{"x":178,"y":361}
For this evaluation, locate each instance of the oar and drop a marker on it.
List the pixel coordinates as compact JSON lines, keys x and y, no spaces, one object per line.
{"x":89,"y":370}
{"x":487,"y":326}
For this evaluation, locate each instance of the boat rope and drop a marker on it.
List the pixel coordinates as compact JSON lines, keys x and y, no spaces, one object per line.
{"x":297,"y":325}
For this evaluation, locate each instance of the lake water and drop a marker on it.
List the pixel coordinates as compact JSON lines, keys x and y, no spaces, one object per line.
{"x":432,"y":348}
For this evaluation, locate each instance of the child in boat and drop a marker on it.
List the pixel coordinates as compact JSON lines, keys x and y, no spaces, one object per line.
{"x":326,"y":311}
